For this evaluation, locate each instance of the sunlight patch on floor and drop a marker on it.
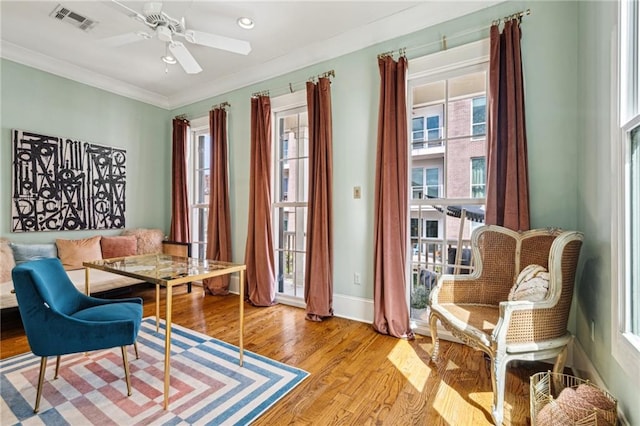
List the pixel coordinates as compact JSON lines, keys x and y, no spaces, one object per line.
{"x":415,"y":369}
{"x":444,"y":402}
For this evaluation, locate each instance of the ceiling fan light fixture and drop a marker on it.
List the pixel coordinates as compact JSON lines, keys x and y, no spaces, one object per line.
{"x":245,"y":22}
{"x":167,"y":58}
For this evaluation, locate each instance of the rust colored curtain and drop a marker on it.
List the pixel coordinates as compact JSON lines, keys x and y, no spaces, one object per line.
{"x":318,"y":277}
{"x":179,"y":230}
{"x":507,"y":180}
{"x":219,"y":225}
{"x":391,"y":314}
{"x":260,"y":283}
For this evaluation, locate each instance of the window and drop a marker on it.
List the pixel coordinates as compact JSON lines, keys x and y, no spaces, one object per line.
{"x":446,"y":92}
{"x":417,"y":129}
{"x":199,"y":156}
{"x":425,"y":181}
{"x":417,"y":182}
{"x":626,"y":199}
{"x":633,"y":212}
{"x":433,"y":182}
{"x":291,"y":182}
{"x":478,"y":178}
{"x":425,"y":125}
{"x":433,"y":128}
{"x":479,"y":116}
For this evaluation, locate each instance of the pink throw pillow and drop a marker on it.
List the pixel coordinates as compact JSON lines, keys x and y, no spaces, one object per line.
{"x":119,"y":246}
{"x":73,"y":252}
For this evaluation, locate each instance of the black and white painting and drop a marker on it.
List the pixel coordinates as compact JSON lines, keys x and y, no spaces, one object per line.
{"x":63,"y":184}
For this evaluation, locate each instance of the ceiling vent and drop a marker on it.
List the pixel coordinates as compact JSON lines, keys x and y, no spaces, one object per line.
{"x":61,"y":13}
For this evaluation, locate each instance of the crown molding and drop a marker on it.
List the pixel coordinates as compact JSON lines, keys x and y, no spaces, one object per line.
{"x":64,"y":69}
{"x":402,"y":23}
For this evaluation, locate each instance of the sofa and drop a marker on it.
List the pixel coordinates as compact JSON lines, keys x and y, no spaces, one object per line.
{"x":72,"y":253}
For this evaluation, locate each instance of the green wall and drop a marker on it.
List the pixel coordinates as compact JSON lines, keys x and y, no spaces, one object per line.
{"x":550,"y":36}
{"x":567,"y":67}
{"x":565,"y":49}
{"x":596,"y":98}
{"x":40,"y":102}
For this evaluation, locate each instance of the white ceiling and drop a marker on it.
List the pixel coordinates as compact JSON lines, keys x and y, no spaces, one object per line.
{"x":288,"y":35}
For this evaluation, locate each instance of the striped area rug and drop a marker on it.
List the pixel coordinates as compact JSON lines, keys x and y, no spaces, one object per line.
{"x":208,"y":387}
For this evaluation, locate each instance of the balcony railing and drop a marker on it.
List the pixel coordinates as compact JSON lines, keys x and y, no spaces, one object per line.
{"x":432,"y":257}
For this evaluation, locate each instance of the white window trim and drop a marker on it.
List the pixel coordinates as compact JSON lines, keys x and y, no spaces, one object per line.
{"x":278,"y":104}
{"x":281,"y":103}
{"x":196,"y":126}
{"x":625,"y":347}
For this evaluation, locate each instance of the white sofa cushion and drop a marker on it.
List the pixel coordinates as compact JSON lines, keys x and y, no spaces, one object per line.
{"x":99,"y":281}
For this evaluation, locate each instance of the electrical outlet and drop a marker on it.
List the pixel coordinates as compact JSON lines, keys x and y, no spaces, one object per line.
{"x":356,"y":278}
{"x":357,"y":193}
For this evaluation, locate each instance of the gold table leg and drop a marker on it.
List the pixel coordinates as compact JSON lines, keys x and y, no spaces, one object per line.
{"x":167,"y":348}
{"x":86,"y":281}
{"x":241,"y":315}
{"x":157,"y":308}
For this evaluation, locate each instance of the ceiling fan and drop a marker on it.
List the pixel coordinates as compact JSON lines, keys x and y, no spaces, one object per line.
{"x":167,"y":29}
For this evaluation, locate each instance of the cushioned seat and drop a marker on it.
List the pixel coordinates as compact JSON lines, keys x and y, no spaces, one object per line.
{"x":111,"y":312}
{"x":59,"y":320}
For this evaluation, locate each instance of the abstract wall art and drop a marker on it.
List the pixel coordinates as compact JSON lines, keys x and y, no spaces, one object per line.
{"x":63,"y":184}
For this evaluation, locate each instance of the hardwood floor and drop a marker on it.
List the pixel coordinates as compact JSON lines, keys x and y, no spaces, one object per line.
{"x":358,"y":377}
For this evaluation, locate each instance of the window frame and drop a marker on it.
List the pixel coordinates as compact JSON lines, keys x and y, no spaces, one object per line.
{"x":198,"y":126}
{"x":625,"y":346}
{"x":484,"y":175}
{"x":280,"y":104}
{"x":448,"y":64}
{"x":478,"y":136}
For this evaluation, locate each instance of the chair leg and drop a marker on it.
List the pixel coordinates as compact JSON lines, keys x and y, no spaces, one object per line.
{"x":135,"y":348}
{"x":43,"y":367}
{"x":558,"y":367}
{"x":498,"y":372}
{"x":55,"y":376}
{"x":433,"y":323}
{"x":126,"y":369}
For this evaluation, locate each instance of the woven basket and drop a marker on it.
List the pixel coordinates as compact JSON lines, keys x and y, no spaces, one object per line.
{"x":581,"y":403}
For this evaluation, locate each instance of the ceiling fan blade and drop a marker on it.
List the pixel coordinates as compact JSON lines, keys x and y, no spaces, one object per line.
{"x":185,"y":58}
{"x":131,"y":13}
{"x":218,"y":42}
{"x":122,"y":39}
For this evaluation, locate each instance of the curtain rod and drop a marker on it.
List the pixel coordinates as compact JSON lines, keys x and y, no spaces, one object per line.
{"x":222,"y":105}
{"x":403,"y":50}
{"x":290,"y":87}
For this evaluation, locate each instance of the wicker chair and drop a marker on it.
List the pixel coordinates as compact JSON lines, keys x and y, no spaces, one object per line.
{"x":474,"y":308}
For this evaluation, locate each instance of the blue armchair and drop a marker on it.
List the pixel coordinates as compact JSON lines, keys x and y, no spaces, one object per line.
{"x":58,"y":319}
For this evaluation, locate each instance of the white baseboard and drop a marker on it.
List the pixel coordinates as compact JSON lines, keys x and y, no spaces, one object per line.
{"x":353,"y":308}
{"x":344,"y":306}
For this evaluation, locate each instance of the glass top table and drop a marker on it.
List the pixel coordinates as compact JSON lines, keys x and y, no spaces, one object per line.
{"x":167,"y":271}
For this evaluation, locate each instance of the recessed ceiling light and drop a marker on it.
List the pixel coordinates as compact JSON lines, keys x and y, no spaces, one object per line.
{"x":246,"y":23}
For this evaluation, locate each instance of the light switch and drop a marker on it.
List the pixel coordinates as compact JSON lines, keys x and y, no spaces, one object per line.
{"x":356,"y":192}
